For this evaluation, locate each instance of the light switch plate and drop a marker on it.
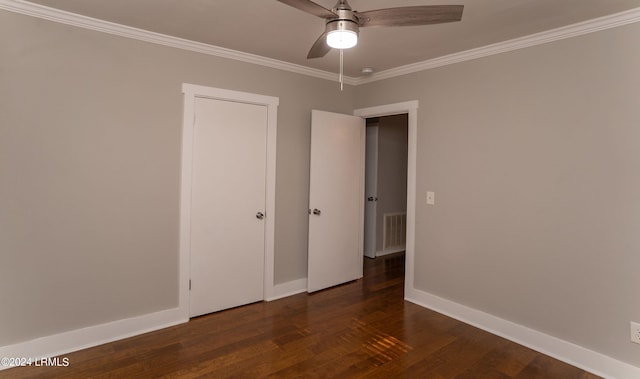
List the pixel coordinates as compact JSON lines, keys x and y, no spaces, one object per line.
{"x":635,"y":332}
{"x":431,"y":198}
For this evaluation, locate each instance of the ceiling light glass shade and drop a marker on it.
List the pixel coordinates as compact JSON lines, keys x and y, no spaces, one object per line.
{"x":342,"y":34}
{"x":342,"y":39}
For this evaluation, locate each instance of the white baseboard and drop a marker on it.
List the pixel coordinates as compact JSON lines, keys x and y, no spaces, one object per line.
{"x":78,"y":339}
{"x":390,"y":251}
{"x":63,"y":343}
{"x":565,"y":351}
{"x":287,"y":289}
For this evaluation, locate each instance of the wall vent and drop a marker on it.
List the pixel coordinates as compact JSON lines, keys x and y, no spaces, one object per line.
{"x":394,"y":230}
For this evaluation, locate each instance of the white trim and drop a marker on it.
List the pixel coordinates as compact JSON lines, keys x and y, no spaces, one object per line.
{"x":192,"y":91}
{"x":574,"y":30}
{"x":293,"y":287}
{"x":394,"y":250}
{"x":363,"y":162}
{"x":573,"y":354}
{"x":411,"y":108}
{"x":68,"y":18}
{"x":85,"y":22}
{"x":66,"y":342}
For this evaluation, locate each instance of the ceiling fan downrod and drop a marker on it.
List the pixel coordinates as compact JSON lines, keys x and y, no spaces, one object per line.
{"x":341,"y":69}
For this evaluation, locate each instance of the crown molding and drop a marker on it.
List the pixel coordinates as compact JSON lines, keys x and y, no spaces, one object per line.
{"x":574,"y":30}
{"x":68,"y":18}
{"x":73,"y":19}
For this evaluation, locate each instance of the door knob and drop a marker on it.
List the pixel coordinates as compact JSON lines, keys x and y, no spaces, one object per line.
{"x":316,"y":212}
{"x":259,"y":215}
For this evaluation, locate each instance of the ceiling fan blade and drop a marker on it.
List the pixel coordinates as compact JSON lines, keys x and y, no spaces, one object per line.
{"x":310,"y":7}
{"x":319,"y":48}
{"x":410,"y":16}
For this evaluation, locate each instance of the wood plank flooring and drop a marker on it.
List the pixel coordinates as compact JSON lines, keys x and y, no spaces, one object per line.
{"x":362,"y":329}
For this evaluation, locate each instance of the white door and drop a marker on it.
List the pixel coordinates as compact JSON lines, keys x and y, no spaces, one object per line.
{"x":336,"y":199}
{"x":228,"y":196}
{"x":371,"y":191}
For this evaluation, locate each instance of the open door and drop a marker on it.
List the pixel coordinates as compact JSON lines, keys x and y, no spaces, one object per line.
{"x":371,"y":191}
{"x":336,"y":199}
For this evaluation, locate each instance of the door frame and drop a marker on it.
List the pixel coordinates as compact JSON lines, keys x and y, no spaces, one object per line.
{"x":191,"y":92}
{"x":411,"y":108}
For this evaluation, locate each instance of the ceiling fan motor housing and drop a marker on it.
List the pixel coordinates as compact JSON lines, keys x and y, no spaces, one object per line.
{"x":342,"y":25}
{"x":346,"y":20}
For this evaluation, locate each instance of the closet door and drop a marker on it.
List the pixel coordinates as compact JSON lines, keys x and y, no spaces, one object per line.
{"x":227,"y":205}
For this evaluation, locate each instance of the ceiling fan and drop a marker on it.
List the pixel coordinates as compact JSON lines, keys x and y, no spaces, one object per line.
{"x":343,"y":23}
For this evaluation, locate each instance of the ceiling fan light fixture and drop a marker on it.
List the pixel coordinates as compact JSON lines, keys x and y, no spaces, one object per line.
{"x":342,"y":39}
{"x":342,"y":34}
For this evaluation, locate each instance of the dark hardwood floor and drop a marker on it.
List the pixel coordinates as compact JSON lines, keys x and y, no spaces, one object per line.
{"x":362,"y":329}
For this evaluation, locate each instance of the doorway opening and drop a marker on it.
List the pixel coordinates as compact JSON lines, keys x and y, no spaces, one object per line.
{"x":411,"y":109}
{"x":385,"y":225}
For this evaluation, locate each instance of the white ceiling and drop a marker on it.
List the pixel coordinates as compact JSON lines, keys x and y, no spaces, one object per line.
{"x":271,"y":29}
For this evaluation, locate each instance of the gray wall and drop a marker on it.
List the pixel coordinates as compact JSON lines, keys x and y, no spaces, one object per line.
{"x":90,"y":136}
{"x":392,"y":170}
{"x":534,"y":156}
